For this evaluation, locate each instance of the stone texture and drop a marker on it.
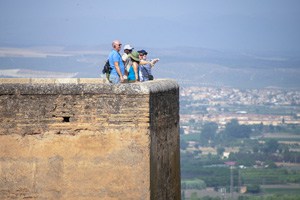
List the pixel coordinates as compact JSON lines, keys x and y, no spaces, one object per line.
{"x":84,"y":139}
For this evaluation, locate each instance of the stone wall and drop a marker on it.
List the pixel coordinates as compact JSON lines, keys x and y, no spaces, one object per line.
{"x":84,"y":139}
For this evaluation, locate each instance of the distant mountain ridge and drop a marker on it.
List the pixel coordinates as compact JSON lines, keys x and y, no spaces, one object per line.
{"x":199,"y":66}
{"x":27,"y":73}
{"x":188,"y":65}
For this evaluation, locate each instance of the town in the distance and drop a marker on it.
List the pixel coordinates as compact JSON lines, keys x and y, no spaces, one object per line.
{"x":268,"y":106}
{"x":239,"y":142}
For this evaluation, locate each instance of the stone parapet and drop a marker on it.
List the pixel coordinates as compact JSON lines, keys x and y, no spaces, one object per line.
{"x":87,"y":139}
{"x":80,"y":86}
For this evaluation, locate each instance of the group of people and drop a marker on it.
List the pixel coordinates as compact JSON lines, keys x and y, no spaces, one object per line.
{"x":130,"y":67}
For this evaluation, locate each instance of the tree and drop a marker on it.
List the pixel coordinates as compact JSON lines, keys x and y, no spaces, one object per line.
{"x":208,"y":132}
{"x":220,"y":151}
{"x":272,"y":128}
{"x":271,"y":146}
{"x":234,"y":130}
{"x":255,"y":149}
{"x":253,"y":189}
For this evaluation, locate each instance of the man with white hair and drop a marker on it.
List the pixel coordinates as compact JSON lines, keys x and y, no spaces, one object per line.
{"x":116,"y":63}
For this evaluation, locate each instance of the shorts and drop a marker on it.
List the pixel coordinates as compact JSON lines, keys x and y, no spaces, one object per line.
{"x":114,"y":79}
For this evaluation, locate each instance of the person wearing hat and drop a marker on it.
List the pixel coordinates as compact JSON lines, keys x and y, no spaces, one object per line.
{"x":127,"y":50}
{"x":145,"y":69}
{"x":126,"y":60}
{"x":133,"y":70}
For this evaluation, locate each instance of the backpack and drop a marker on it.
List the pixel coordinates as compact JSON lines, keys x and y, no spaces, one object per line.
{"x":106,"y":69}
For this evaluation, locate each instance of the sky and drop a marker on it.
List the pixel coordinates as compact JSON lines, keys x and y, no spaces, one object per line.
{"x":255,"y":25}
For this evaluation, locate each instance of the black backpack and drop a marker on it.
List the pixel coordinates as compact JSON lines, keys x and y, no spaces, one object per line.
{"x":106,"y":68}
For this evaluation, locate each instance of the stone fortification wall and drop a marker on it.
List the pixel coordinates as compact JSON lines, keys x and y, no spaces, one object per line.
{"x":84,"y":139}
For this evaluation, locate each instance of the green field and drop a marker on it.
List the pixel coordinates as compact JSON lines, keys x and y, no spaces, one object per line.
{"x":269,"y":176}
{"x":291,"y":191}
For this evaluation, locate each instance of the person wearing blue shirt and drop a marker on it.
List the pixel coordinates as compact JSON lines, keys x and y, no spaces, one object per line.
{"x":116,"y":63}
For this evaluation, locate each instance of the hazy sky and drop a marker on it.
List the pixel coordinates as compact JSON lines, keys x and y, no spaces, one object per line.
{"x":262,"y":25}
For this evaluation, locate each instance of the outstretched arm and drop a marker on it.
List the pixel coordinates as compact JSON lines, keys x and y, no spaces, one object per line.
{"x":152,"y":62}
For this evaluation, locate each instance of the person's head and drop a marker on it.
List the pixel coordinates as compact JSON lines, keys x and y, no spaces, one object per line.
{"x":128,"y":49}
{"x":116,"y":44}
{"x":143,"y":54}
{"x":134,"y":57}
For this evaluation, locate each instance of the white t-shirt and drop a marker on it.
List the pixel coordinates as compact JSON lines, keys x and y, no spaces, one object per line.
{"x":124,"y":57}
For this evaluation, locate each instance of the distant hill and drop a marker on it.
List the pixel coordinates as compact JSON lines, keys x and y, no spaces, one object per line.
{"x":188,"y":65}
{"x":198,"y":66}
{"x":27,"y":73}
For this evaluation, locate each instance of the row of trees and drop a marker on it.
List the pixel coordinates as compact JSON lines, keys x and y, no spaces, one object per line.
{"x":233,"y":130}
{"x":209,"y":135}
